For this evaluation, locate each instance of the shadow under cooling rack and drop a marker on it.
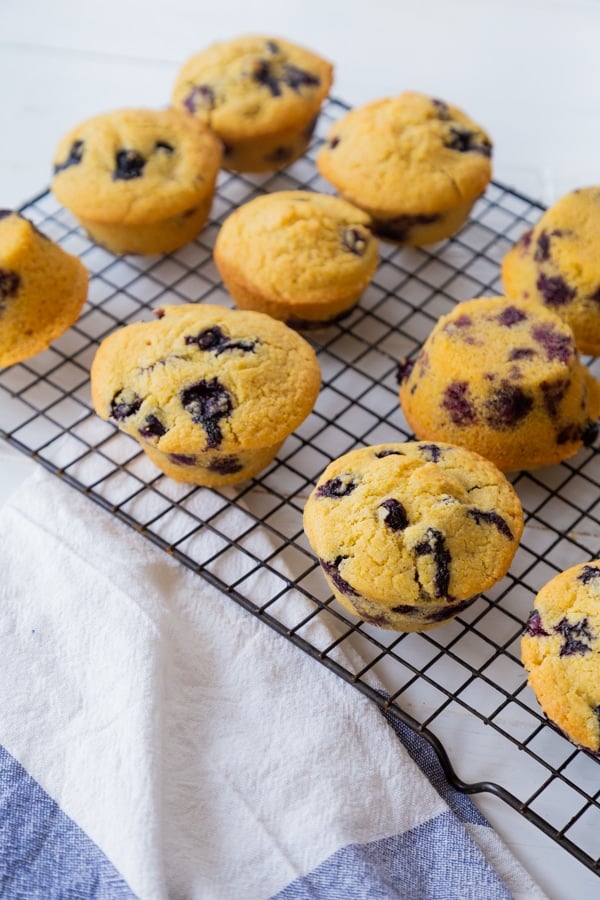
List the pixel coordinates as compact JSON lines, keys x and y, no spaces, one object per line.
{"x":459,"y":685}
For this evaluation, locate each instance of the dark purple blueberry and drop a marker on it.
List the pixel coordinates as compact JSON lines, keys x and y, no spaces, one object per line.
{"x":521,"y":353}
{"x":525,"y":239}
{"x":403,"y":369}
{"x":354,"y":240}
{"x":208,"y":402}
{"x":542,"y":250}
{"x":533,"y":626}
{"x":588,"y":574}
{"x":589,"y":433}
{"x":182,"y":459}
{"x":336,"y":487}
{"x":570,"y":434}
{"x":164,"y":145}
{"x":441,"y":108}
{"x":433,"y":544}
{"x":405,"y":609}
{"x":431,"y":452}
{"x":465,"y":141}
{"x":577,"y":637}
{"x":227,"y":465}
{"x":457,"y":403}
{"x":489,"y":517}
{"x":399,"y":228}
{"x":74,"y":158}
{"x":201,"y":96}
{"x":394,"y":514}
{"x":6,"y":212}
{"x":216,"y":340}
{"x":272,"y":46}
{"x":124,"y":404}
{"x":553,"y":393}
{"x":511,"y":316}
{"x":296,"y":78}
{"x":507,"y":406}
{"x":10,"y":282}
{"x":383,"y":453}
{"x":442,"y":614}
{"x":129,"y":164}
{"x":462,"y":321}
{"x":555,"y":290}
{"x":263,"y":74}
{"x":291,"y":76}
{"x":280,"y":155}
{"x":332,"y":570}
{"x":557,"y":346}
{"x":152,"y":427}
{"x":333,"y":142}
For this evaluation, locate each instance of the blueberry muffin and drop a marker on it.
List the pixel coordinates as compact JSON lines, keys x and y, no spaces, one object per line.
{"x":138,"y":180}
{"x":415,"y":164}
{"x":210,"y":393}
{"x":409,"y":534}
{"x":299,"y":256}
{"x":557,"y":263}
{"x":42,"y":289}
{"x":503,"y":378}
{"x":561,"y":651}
{"x":261,"y":95}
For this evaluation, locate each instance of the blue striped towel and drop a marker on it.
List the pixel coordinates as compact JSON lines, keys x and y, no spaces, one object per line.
{"x":159,"y":742}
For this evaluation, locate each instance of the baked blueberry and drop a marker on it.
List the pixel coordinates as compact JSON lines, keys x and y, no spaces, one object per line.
{"x":74,"y":158}
{"x":129,"y":164}
{"x":207,"y":402}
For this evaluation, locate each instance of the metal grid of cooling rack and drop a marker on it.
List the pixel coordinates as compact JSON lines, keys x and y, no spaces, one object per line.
{"x":458,"y":684}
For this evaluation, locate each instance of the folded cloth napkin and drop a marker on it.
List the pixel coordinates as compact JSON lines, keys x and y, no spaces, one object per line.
{"x":157,"y":741}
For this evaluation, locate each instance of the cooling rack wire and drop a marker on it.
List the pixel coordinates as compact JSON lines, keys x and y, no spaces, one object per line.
{"x":461,"y":685}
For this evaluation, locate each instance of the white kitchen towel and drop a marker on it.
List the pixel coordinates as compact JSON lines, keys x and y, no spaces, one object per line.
{"x":157,"y":741}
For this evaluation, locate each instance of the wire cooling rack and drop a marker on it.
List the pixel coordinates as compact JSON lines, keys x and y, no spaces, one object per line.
{"x":459,"y":685}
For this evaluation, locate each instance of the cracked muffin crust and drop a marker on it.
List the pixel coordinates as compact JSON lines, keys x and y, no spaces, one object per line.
{"x":408,"y":534}
{"x":503,"y":378}
{"x":42,"y":289}
{"x":414,"y":163}
{"x":299,"y":256}
{"x":138,"y":180}
{"x":557,"y":263}
{"x":261,"y":95}
{"x":210,"y":393}
{"x":560,"y":650}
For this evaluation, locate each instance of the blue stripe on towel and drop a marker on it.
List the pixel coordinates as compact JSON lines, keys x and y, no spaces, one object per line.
{"x":43,"y":854}
{"x":434,"y":861}
{"x":424,"y":755}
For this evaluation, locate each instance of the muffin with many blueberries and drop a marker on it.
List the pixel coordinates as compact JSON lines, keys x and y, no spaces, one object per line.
{"x":409,"y":534}
{"x":261,"y":95}
{"x":557,"y":263}
{"x":209,"y":393}
{"x":504,"y":378}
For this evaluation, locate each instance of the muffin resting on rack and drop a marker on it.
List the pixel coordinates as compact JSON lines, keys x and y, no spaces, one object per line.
{"x":300,"y":256}
{"x":138,"y":180}
{"x":409,"y":534}
{"x":261,"y":95}
{"x":42,"y":289}
{"x":557,"y":263}
{"x":561,"y":651}
{"x":503,"y":378}
{"x":210,"y":393}
{"x":414,"y":163}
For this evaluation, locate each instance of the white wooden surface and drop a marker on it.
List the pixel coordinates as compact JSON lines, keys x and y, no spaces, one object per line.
{"x":526,"y":69}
